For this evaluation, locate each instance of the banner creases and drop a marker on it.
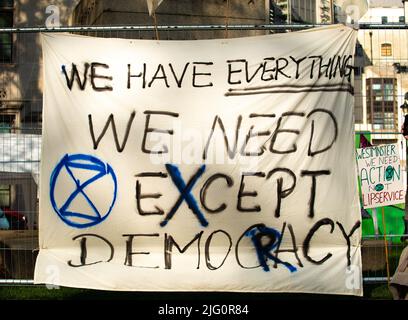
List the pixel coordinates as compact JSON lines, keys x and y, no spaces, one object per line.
{"x":200,"y":165}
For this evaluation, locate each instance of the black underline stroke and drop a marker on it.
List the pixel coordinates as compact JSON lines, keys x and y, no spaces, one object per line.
{"x":244,"y":92}
{"x":291,"y":86}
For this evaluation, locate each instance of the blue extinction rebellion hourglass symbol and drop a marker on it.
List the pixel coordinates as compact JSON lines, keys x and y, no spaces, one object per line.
{"x":96,"y":171}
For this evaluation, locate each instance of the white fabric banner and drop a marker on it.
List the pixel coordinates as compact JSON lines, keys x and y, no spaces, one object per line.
{"x":213,"y":165}
{"x":381,"y":175}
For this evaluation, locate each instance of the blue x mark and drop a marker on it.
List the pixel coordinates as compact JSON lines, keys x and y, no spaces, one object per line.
{"x":185,"y":193}
{"x":263,"y":251}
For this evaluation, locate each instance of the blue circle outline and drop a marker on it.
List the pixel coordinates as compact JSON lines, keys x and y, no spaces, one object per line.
{"x":53,"y":179}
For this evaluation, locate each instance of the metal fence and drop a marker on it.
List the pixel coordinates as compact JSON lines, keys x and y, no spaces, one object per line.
{"x":379,"y":68}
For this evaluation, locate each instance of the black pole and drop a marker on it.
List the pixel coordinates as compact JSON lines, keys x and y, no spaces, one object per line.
{"x":405,"y":134}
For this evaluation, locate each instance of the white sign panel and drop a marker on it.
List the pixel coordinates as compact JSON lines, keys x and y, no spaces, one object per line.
{"x":213,"y":165}
{"x":381,"y":175}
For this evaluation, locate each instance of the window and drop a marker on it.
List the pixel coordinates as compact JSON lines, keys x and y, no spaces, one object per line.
{"x":388,"y":92}
{"x":278,"y":12}
{"x":5,"y":196}
{"x":382,"y":106}
{"x":6,"y":39}
{"x":386,"y":50}
{"x":7,"y":123}
{"x":336,"y":14}
{"x":384,"y":20}
{"x":401,"y":19}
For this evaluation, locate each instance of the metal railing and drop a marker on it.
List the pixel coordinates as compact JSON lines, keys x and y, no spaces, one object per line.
{"x":20,"y":79}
